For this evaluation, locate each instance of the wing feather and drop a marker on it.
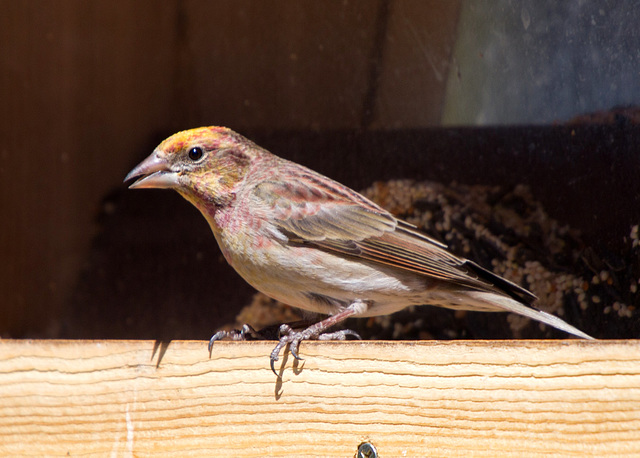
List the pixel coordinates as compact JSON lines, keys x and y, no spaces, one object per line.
{"x":315,"y":210}
{"x":327,"y":212}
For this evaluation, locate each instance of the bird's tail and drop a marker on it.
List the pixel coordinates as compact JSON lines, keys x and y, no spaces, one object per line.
{"x":507,"y":304}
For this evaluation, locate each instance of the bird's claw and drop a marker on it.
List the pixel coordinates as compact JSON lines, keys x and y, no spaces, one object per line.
{"x":294,"y":338}
{"x":287,"y":336}
{"x":246,"y":332}
{"x":339,"y":335}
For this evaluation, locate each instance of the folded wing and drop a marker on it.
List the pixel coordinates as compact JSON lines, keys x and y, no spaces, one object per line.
{"x":313,"y":210}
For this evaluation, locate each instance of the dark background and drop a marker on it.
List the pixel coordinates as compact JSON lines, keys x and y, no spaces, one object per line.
{"x":360,"y":91}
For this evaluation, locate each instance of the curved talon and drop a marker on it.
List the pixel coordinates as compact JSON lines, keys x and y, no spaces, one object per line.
{"x":217,"y":336}
{"x":246,"y":332}
{"x":352,"y":333}
{"x":274,"y":357}
{"x":293,"y":348}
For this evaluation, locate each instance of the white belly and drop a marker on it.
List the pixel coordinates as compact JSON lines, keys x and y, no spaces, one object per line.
{"x":321,"y":282}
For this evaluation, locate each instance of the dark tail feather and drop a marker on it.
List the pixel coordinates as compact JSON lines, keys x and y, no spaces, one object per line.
{"x":509,"y":288}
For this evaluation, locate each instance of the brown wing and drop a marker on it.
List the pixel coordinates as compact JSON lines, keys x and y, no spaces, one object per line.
{"x":409,"y":249}
{"x":314,"y":210}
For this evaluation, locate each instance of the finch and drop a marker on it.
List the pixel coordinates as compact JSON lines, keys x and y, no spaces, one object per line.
{"x":310,"y":242}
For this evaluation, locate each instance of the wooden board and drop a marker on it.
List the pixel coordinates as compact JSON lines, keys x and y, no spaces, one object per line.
{"x":456,"y":398}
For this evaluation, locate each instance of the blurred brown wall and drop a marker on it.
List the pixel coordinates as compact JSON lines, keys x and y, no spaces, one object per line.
{"x":88,"y":88}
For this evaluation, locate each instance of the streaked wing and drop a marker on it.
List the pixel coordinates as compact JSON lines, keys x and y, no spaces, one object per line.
{"x":408,"y":249}
{"x":312,"y":209}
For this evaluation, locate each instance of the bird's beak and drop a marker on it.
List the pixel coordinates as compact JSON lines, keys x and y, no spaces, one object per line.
{"x":153,"y":172}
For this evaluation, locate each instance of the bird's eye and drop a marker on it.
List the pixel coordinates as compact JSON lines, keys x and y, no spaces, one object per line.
{"x":195,"y":153}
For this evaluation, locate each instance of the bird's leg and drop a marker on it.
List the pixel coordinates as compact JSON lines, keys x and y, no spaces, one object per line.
{"x":316,"y":331}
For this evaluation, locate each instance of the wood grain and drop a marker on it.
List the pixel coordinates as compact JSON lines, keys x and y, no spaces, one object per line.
{"x":481,"y":398}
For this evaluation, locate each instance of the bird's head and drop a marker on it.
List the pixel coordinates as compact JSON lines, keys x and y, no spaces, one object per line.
{"x":205,"y":165}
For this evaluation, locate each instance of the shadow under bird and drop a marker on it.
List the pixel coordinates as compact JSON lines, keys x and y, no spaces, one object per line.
{"x":310,"y":242}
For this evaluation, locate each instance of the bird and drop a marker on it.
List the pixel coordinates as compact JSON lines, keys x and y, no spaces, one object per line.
{"x":310,"y":242}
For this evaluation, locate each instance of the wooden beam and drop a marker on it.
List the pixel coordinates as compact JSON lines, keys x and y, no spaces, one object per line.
{"x":456,"y":398}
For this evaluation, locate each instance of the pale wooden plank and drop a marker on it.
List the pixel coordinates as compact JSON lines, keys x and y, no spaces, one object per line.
{"x":461,"y":398}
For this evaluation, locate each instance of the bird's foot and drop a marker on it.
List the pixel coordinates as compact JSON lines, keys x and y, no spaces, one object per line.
{"x":294,"y":333}
{"x":314,"y":332}
{"x":246,"y":332}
